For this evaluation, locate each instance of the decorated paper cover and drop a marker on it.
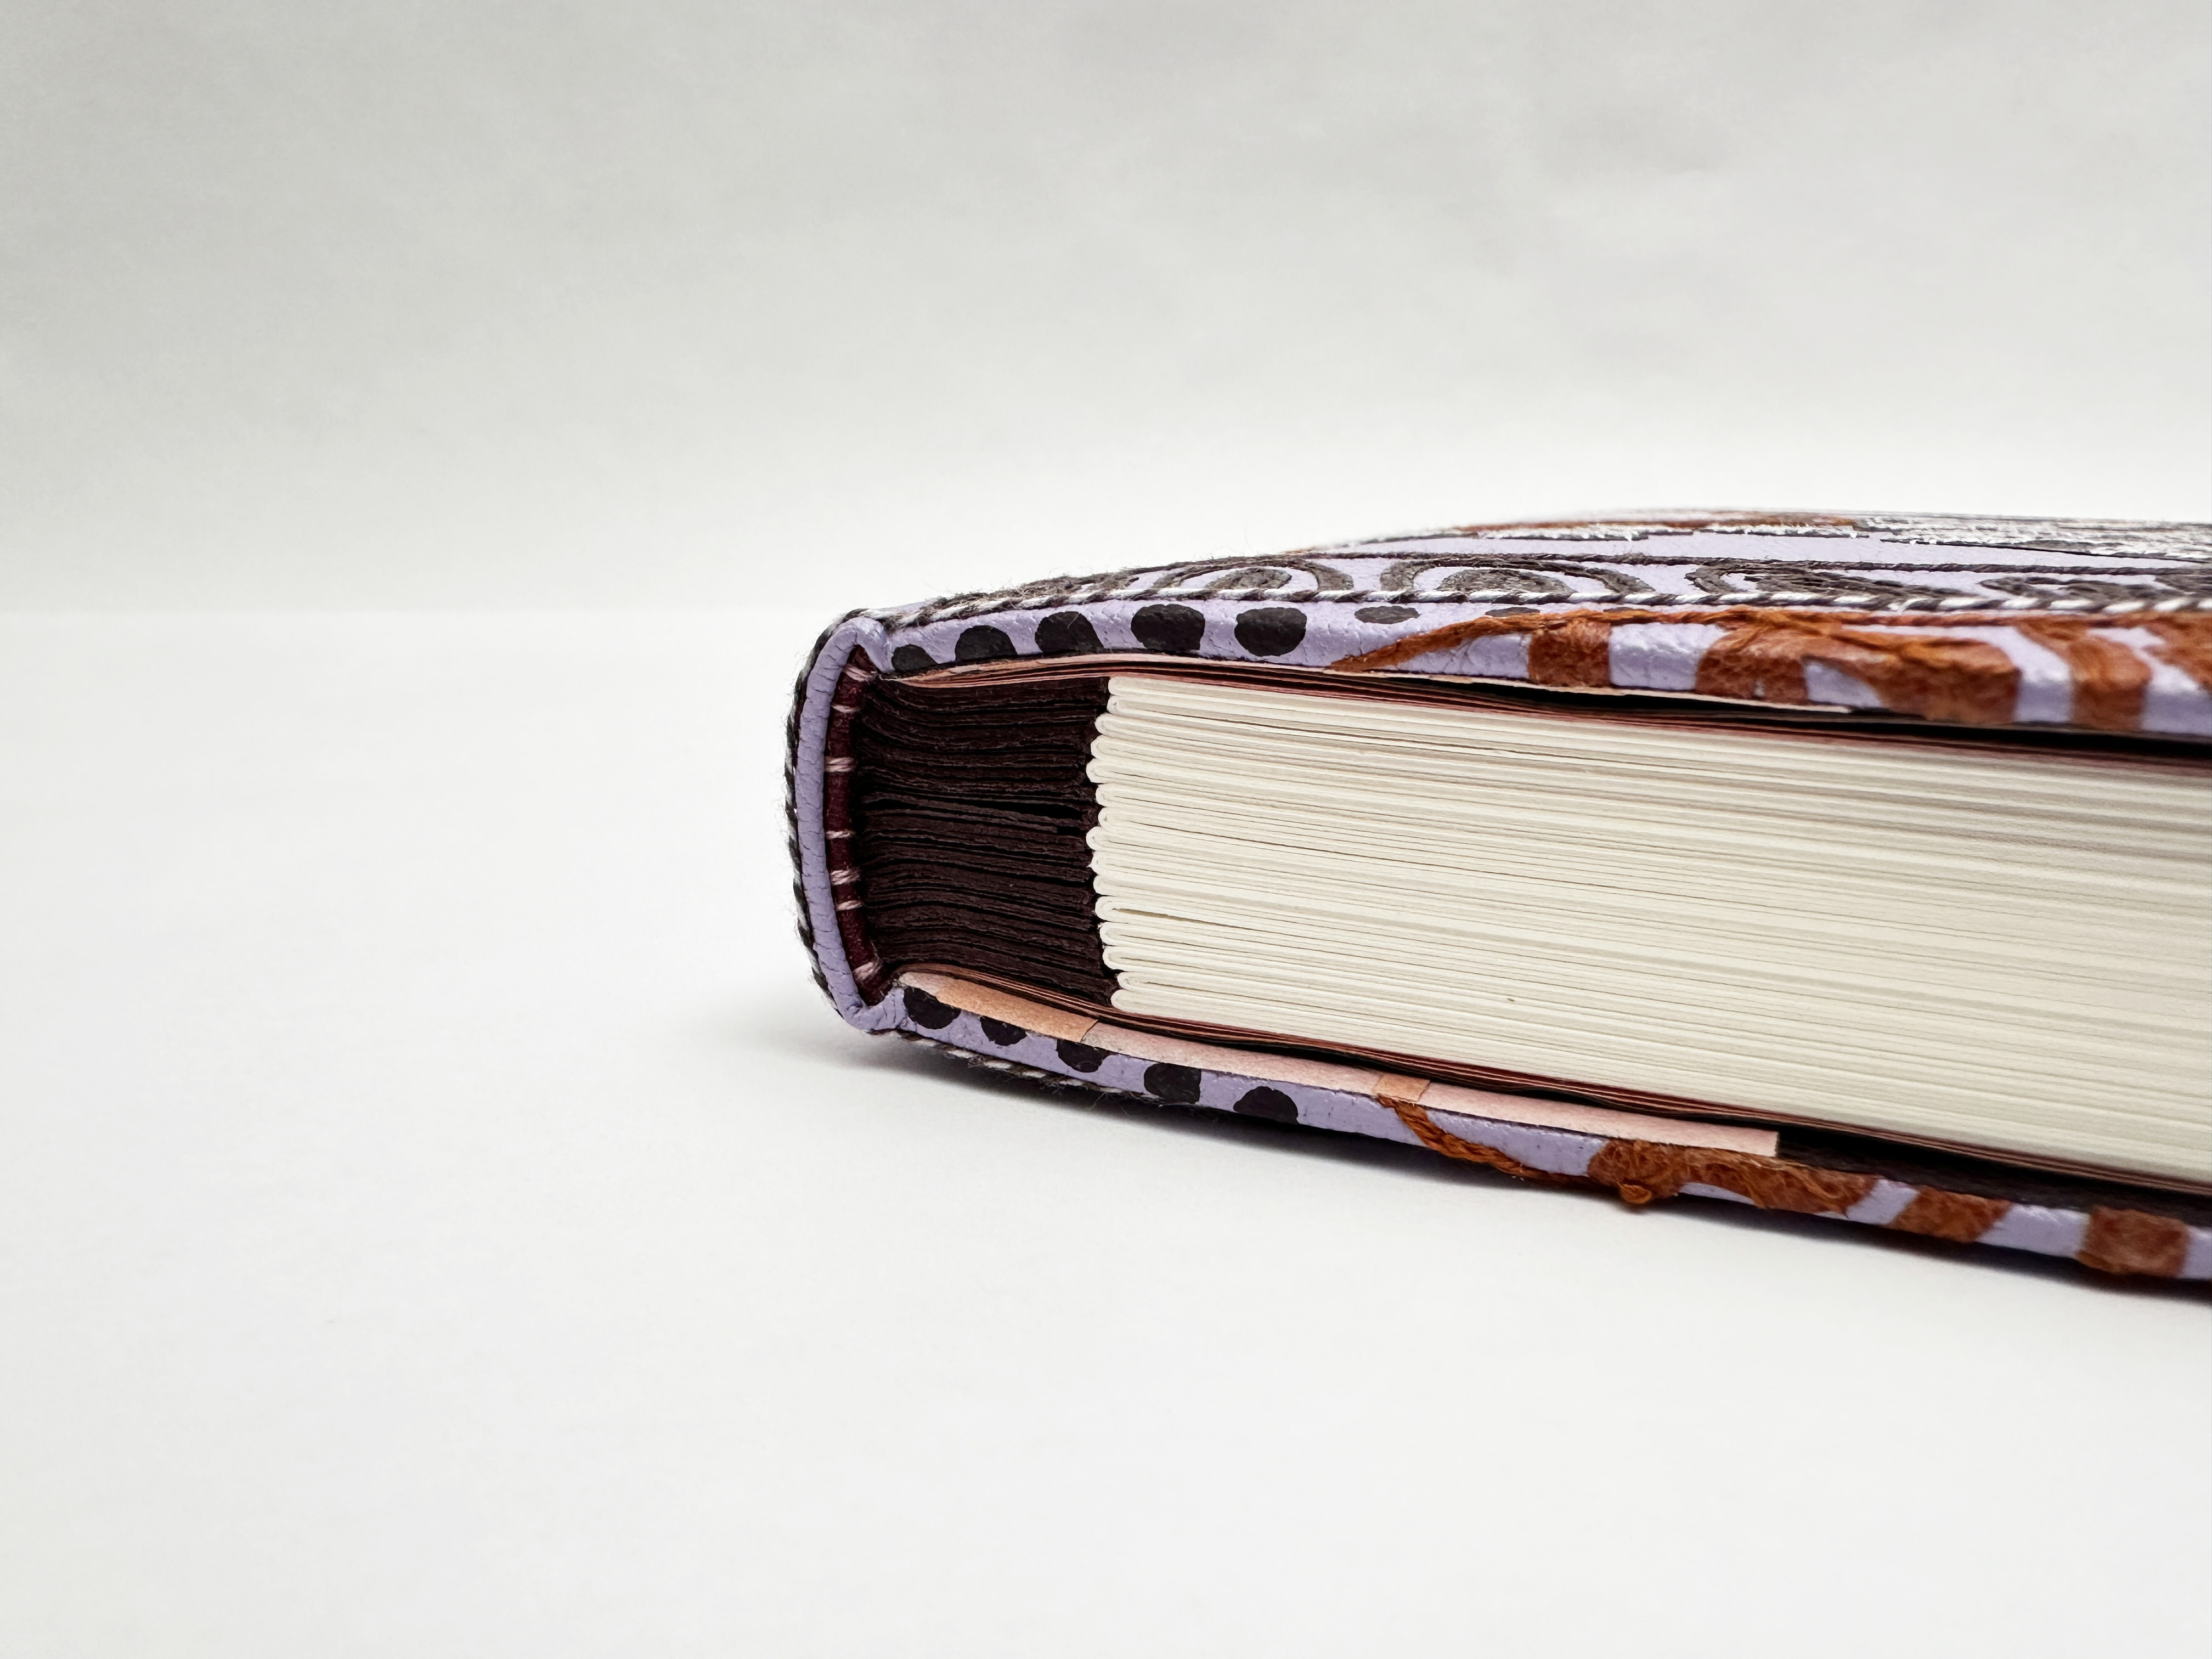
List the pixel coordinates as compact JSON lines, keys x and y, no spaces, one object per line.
{"x":1997,"y":624}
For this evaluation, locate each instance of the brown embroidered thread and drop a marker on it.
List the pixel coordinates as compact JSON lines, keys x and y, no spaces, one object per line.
{"x":2131,"y":1242}
{"x":1967,"y":681}
{"x":2117,"y":1241}
{"x":1763,"y":653}
{"x":1577,"y":652}
{"x":2185,"y":642}
{"x":1437,"y":1138}
{"x":1960,"y":1217}
{"x":2108,"y":677}
{"x":1641,"y":1171}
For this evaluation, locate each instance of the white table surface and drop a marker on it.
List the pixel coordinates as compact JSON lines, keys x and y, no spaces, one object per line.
{"x":438,"y":1216}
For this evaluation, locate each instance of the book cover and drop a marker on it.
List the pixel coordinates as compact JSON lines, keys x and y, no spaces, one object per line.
{"x":1848,"y":865}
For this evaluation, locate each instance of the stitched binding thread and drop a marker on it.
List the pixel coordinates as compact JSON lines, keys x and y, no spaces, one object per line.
{"x":837,"y":823}
{"x":791,"y":736}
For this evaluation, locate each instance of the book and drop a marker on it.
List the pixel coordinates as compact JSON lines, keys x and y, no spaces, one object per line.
{"x":1855,"y":865}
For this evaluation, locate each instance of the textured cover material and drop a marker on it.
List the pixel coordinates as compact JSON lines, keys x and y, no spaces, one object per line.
{"x":1993,"y":622}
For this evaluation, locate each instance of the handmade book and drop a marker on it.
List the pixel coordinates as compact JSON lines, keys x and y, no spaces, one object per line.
{"x":1858,"y":867}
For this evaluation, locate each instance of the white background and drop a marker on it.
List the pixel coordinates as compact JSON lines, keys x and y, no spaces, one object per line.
{"x":437,"y":302}
{"x":436,"y":1214}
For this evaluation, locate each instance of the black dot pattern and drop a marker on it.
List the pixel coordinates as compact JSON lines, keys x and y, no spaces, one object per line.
{"x":1176,"y":1085}
{"x":1176,"y":628}
{"x":982,"y":643}
{"x":1080,"y":1056}
{"x":1270,"y":1104}
{"x":927,"y":1011}
{"x":1271,"y":629}
{"x":1067,"y":634}
{"x":1173,"y":1085}
{"x":1386,"y":613}
{"x":911,"y":659}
